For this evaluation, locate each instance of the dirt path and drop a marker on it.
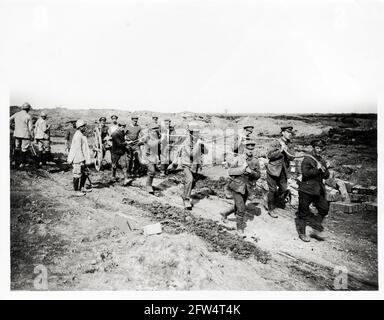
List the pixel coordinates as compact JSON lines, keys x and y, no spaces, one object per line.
{"x":77,"y":240}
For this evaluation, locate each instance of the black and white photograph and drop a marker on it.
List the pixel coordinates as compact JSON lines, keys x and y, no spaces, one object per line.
{"x":191,"y":145}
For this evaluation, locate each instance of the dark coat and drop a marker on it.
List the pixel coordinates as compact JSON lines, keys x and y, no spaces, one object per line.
{"x":312,"y":178}
{"x":240,"y":180}
{"x":279,"y":160}
{"x":118,"y":143}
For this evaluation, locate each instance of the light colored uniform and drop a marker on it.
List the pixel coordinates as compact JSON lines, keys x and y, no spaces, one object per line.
{"x":42,"y":135}
{"x":79,"y":154}
{"x":23,"y":130}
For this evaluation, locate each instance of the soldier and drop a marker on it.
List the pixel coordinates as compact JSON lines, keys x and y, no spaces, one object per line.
{"x":69,"y":135}
{"x":133,"y":134}
{"x":279,"y":155}
{"x":119,"y":152}
{"x":42,"y":136}
{"x":192,"y":149}
{"x":167,"y":139}
{"x":238,"y":148}
{"x":79,"y":156}
{"x":152,"y":153}
{"x":104,"y":133}
{"x":244,"y":170}
{"x":114,"y":126}
{"x":23,"y":134}
{"x":312,"y":190}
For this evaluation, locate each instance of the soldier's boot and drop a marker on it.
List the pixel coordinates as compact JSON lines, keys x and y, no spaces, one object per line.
{"x":226,"y":213}
{"x":114,"y":173}
{"x":23,"y":159}
{"x":187,"y":204}
{"x":76,"y":182}
{"x":318,"y":230}
{"x":300,"y":227}
{"x":240,"y":225}
{"x":272,"y":213}
{"x":39,"y":157}
{"x":16,"y":158}
{"x":44,"y":158}
{"x":82,"y":188}
{"x":149,"y":187}
{"x":126,"y":179}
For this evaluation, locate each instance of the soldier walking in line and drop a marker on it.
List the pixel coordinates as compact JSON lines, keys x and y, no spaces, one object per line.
{"x":119,"y":153}
{"x":312,"y":191}
{"x":69,"y":135}
{"x":42,"y":137}
{"x":152,"y":154}
{"x":238,"y":149}
{"x":23,"y":134}
{"x":279,"y":155}
{"x":244,"y":171}
{"x":191,"y":158}
{"x":167,"y":139}
{"x":79,"y":156}
{"x":133,"y":134}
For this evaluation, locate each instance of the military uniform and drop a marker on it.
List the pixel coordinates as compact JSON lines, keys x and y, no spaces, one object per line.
{"x":119,"y":153}
{"x":68,"y":136}
{"x":312,"y":191}
{"x":277,"y":172}
{"x":22,"y":133}
{"x":192,"y":149}
{"x":42,"y":136}
{"x":152,"y":154}
{"x":167,"y":140}
{"x":133,"y":133}
{"x":244,"y":170}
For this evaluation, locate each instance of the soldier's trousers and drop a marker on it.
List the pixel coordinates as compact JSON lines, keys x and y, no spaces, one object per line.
{"x":133,"y":159}
{"x":240,"y":209}
{"x":190,"y":174}
{"x":305,"y":200}
{"x":119,"y":159}
{"x":277,"y":187}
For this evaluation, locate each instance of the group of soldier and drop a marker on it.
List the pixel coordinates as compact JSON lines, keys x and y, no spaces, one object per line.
{"x":132,"y":147}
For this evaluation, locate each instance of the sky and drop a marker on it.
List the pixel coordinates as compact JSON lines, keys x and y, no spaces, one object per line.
{"x":203,"y":56}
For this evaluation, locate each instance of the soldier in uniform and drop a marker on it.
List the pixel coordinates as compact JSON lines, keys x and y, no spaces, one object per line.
{"x":104,"y":133}
{"x":238,"y":149}
{"x":119,"y":152}
{"x":23,"y":134}
{"x":192,"y":149}
{"x":42,"y":136}
{"x":133,"y":134}
{"x":312,"y":190}
{"x":114,"y":126}
{"x":79,"y":156}
{"x":244,"y":170}
{"x":152,"y":154}
{"x":167,"y":139}
{"x":69,"y":135}
{"x":279,"y":154}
